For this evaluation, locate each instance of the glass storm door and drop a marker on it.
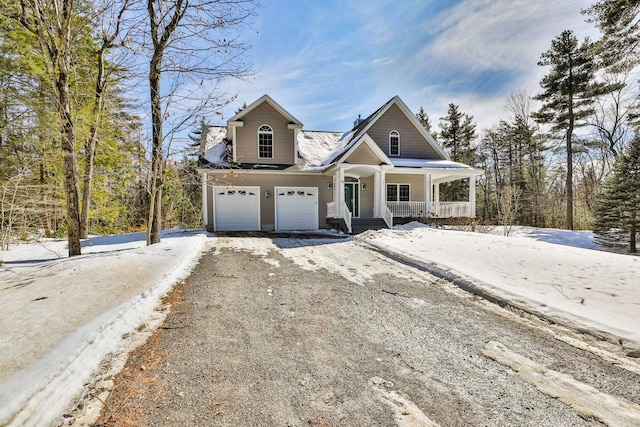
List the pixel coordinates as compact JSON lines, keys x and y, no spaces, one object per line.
{"x":352,"y":197}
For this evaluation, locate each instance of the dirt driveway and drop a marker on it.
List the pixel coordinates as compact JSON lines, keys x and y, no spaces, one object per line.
{"x":296,"y":332}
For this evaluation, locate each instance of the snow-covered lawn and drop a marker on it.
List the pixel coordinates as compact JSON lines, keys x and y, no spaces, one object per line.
{"x":61,"y":316}
{"x":549,"y":271}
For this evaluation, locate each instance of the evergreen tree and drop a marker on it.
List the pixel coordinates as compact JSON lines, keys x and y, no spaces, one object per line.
{"x":619,"y":22}
{"x":457,"y":135}
{"x":423,"y":118}
{"x":569,"y":90}
{"x":618,"y":209}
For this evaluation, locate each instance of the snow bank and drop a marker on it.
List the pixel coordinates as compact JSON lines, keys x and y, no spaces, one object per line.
{"x":582,"y":286}
{"x":37,"y":389}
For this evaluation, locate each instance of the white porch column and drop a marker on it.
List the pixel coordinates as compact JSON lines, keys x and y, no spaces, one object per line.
{"x":427,"y":194}
{"x":383,"y":190}
{"x":233,"y":144}
{"x":472,"y":196}
{"x":377,"y":211}
{"x":436,"y":197}
{"x":205,"y":202}
{"x":340,"y":189}
{"x":336,"y":191}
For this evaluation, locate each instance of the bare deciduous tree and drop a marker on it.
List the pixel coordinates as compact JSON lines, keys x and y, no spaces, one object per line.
{"x":195,"y":45}
{"x":51,"y":21}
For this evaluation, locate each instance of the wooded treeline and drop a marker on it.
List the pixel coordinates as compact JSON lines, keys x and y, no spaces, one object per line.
{"x":76,"y":156}
{"x":553,"y":159}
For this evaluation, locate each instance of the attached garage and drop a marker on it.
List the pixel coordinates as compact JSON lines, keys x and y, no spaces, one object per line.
{"x":236,"y":208}
{"x":296,"y":208}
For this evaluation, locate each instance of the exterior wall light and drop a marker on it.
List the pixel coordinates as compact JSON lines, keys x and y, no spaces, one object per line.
{"x":267,"y":195}
{"x":364,"y":186}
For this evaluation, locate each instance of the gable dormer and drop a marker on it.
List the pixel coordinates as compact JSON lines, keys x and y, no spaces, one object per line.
{"x":398,"y":133}
{"x":264,"y":133}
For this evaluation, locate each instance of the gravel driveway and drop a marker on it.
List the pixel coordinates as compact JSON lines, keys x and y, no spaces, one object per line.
{"x":328,"y":333}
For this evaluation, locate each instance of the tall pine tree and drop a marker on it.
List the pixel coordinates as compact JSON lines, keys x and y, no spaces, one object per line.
{"x":457,"y":135}
{"x":569,"y":90}
{"x":618,"y":209}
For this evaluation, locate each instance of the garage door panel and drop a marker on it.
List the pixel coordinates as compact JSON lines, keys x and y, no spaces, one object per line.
{"x":237,"y":208}
{"x":296,"y":208}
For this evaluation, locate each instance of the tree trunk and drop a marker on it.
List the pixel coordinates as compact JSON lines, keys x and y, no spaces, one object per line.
{"x":69,"y":164}
{"x":69,"y":167}
{"x":90,"y":147}
{"x":154,"y":223}
{"x":569,"y":183}
{"x":632,"y":233}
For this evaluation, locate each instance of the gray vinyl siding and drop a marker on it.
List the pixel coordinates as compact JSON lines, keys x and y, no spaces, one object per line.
{"x":363,"y":155}
{"x":247,"y":137}
{"x":415,"y":181}
{"x":267,"y":182}
{"x":366,"y":197}
{"x":412,"y":144}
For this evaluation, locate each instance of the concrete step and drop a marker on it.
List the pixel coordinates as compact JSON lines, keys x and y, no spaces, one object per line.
{"x":358,"y":225}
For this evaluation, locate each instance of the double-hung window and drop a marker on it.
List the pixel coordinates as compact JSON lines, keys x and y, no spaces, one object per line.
{"x":265,"y":142}
{"x":398,"y":193}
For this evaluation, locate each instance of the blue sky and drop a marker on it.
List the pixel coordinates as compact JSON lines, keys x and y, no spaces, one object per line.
{"x":328,"y":61}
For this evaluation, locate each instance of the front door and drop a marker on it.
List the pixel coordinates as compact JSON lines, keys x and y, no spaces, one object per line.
{"x":352,"y":197}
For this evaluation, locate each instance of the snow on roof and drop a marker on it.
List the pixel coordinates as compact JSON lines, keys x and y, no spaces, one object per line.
{"x":215,"y":144}
{"x":431,"y":164}
{"x":319,"y":149}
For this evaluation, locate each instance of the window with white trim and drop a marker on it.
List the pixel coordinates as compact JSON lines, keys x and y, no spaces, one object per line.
{"x":394,"y":143}
{"x":398,"y":193}
{"x":265,"y":142}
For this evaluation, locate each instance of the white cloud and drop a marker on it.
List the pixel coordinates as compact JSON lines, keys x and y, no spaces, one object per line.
{"x":501,"y":34}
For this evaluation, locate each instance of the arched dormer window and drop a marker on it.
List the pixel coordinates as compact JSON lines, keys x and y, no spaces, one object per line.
{"x":265,"y":142}
{"x":394,"y":143}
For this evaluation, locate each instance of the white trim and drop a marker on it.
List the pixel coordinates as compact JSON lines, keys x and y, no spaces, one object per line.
{"x":377,"y":213}
{"x":366,"y":139}
{"x":262,"y":171}
{"x":275,"y":202}
{"x":397,"y":134}
{"x":233,"y":142}
{"x":273,"y":138}
{"x":427,"y":191}
{"x":397,"y":184}
{"x":295,"y":145}
{"x":356,"y":183}
{"x":472,"y":196}
{"x":412,"y":118}
{"x":258,"y":102}
{"x":205,"y":219}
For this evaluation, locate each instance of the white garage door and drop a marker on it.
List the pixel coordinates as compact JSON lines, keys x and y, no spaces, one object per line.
{"x":296,"y":208}
{"x":237,"y":208}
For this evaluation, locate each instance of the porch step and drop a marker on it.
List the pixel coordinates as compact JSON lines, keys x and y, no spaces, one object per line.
{"x":358,"y":225}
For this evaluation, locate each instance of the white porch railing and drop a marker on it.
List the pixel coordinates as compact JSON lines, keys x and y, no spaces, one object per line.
{"x":332,"y":213}
{"x":438,"y":210}
{"x":451,"y":209}
{"x":408,"y":209}
{"x":331,"y":210}
{"x":346,"y":214}
{"x":387,"y":215}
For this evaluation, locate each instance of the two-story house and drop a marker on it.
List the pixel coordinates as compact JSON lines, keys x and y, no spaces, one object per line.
{"x":263,"y":171}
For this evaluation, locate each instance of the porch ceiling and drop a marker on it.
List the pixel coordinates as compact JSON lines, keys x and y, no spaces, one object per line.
{"x":363,"y":171}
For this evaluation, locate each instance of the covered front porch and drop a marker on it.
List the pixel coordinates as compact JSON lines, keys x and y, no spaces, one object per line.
{"x":385,"y":192}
